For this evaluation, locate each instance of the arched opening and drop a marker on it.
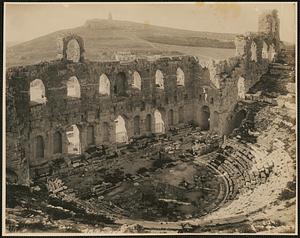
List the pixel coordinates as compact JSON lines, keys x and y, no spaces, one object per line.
{"x":159,"y":123}
{"x":73,"y":51}
{"x":90,"y":135}
{"x":136,"y":125}
{"x":73,"y":137}
{"x":271,"y":52}
{"x":106,"y":134}
{"x":104,"y":85}
{"x":148,"y":123}
{"x":57,"y":143}
{"x":121,"y":132}
{"x":171,"y":117}
{"x":39,"y":147}
{"x":180,"y":77}
{"x":264,"y":53}
{"x":253,"y":52}
{"x":238,"y":118}
{"x":205,"y":118}
{"x":241,"y":88}
{"x":159,"y":79}
{"x":37,"y":91}
{"x":137,"y":81}
{"x":120,"y":84}
{"x":73,"y":87}
{"x":181,"y":114}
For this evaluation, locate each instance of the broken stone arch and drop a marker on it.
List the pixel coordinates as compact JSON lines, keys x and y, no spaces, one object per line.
{"x":37,"y":91}
{"x":104,"y":85}
{"x":73,"y":48}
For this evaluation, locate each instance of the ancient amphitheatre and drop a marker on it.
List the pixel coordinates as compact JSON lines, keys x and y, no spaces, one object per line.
{"x":153,"y":144}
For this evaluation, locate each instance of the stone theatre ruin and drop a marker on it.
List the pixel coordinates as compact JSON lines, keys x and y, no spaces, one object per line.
{"x":72,"y":119}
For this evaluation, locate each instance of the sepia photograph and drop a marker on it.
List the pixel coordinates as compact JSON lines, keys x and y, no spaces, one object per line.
{"x":149,"y":118}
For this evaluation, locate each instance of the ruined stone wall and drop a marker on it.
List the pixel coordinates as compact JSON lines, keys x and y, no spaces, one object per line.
{"x":208,"y":97}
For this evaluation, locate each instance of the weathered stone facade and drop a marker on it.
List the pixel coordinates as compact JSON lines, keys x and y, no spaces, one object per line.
{"x":205,"y":95}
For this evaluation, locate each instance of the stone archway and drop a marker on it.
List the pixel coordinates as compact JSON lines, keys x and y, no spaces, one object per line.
{"x":136,"y":125}
{"x":104,"y":85}
{"x":205,"y":118}
{"x":37,"y":91}
{"x":159,"y":79}
{"x":121,"y":131}
{"x":159,"y":123}
{"x":73,"y":138}
{"x":180,"y":77}
{"x":73,"y":51}
{"x":73,"y":88}
{"x":137,"y":81}
{"x":57,"y":143}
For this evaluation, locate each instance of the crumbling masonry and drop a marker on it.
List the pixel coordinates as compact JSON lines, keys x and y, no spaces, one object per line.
{"x":113,"y":102}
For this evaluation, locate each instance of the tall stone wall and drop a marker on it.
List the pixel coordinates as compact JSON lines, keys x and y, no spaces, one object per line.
{"x":207,"y":97}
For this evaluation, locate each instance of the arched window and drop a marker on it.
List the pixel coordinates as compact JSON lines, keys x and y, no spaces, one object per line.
{"x":104,"y":85}
{"x":180,"y":77}
{"x":253,"y":51}
{"x":37,"y":91}
{"x":148,"y":123}
{"x":271,"y":52}
{"x":73,"y":51}
{"x":90,"y":135}
{"x":57,"y":142}
{"x":264,"y":52}
{"x":205,"y":118}
{"x":136,"y":125}
{"x":159,"y":79}
{"x":159,"y":123}
{"x":241,"y":88}
{"x":73,"y":87}
{"x":137,"y":81}
{"x":121,"y":132}
{"x":121,"y":84}
{"x":181,"y":114}
{"x":39,"y":147}
{"x":73,"y":136}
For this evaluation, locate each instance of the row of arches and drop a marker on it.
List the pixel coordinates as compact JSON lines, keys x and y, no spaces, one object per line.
{"x":268,"y":51}
{"x":37,"y":87}
{"x":153,"y":123}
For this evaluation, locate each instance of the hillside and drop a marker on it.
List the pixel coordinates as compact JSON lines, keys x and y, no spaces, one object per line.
{"x":103,"y":37}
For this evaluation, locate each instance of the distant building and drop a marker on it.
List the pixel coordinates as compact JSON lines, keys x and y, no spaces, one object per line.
{"x":124,"y":56}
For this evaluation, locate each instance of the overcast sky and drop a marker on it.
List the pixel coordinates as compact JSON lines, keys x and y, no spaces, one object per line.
{"x":27,"y":21}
